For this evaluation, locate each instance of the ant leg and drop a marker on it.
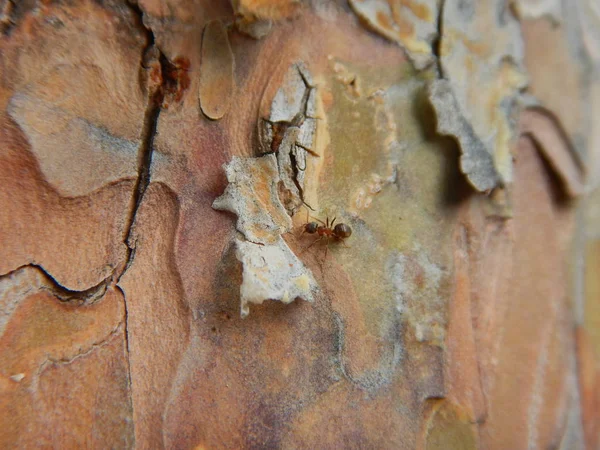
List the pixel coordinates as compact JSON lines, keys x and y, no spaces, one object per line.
{"x":313,"y":243}
{"x":309,"y":150}
{"x":315,"y":154}
{"x":318,"y":220}
{"x":332,"y":222}
{"x":303,"y":168}
{"x":326,"y":249}
{"x":303,"y":227}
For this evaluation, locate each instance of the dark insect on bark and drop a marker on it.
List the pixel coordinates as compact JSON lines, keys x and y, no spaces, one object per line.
{"x":327,"y":231}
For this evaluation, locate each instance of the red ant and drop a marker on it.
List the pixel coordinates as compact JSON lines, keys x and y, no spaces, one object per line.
{"x":339,"y":232}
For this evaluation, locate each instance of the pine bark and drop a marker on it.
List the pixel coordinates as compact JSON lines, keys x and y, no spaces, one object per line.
{"x":461,"y":313}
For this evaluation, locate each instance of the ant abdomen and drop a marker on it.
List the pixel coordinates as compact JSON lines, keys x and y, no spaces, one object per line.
{"x":342,"y":231}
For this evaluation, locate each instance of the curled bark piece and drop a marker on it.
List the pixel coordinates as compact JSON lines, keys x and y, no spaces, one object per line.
{"x":551,"y":140}
{"x":475,"y":161}
{"x":266,"y":10}
{"x":256,"y":18}
{"x":256,"y":29}
{"x":481,"y":57}
{"x":410,"y":23}
{"x":534,"y":9}
{"x":216,"y":71}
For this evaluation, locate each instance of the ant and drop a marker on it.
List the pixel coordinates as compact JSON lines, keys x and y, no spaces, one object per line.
{"x":327,"y":231}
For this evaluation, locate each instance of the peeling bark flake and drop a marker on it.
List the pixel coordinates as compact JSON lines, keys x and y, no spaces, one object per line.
{"x":535,"y":9}
{"x":256,"y":18}
{"x":410,"y":23}
{"x":290,"y":98}
{"x":252,"y":195}
{"x":272,"y":272}
{"x":544,"y":129}
{"x":481,"y":58}
{"x":475,"y":161}
{"x":265,"y":191}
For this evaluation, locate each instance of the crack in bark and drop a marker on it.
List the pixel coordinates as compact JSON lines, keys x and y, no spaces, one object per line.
{"x":145,"y":160}
{"x":295,"y":174}
{"x":299,"y":118}
{"x":156,"y":97}
{"x":64,"y":294}
{"x":436,"y":46}
{"x":11,"y":13}
{"x":162,"y":76}
{"x":29,"y":279}
{"x":66,"y":361}
{"x":148,"y":132}
{"x":298,"y":121}
{"x":279,"y":130}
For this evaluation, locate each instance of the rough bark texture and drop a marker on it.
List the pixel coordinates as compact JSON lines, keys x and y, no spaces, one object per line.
{"x":457,"y":139}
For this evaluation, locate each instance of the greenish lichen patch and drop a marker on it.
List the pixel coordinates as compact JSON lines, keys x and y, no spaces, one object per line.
{"x":388,"y":174}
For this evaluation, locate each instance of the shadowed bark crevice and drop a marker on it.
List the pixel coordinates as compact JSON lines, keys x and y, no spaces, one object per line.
{"x":64,"y":294}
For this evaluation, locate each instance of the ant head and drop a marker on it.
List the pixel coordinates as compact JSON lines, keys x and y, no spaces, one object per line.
{"x":311,"y":227}
{"x":342,"y":231}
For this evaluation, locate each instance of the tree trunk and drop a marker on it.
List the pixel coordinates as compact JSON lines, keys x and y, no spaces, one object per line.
{"x":170,"y":276}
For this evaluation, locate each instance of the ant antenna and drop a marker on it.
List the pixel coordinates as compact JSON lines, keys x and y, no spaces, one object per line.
{"x":307,"y":205}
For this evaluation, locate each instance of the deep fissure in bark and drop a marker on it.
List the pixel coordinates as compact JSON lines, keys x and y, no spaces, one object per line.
{"x":156,"y":96}
{"x":62,"y":293}
{"x":436,"y":45}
